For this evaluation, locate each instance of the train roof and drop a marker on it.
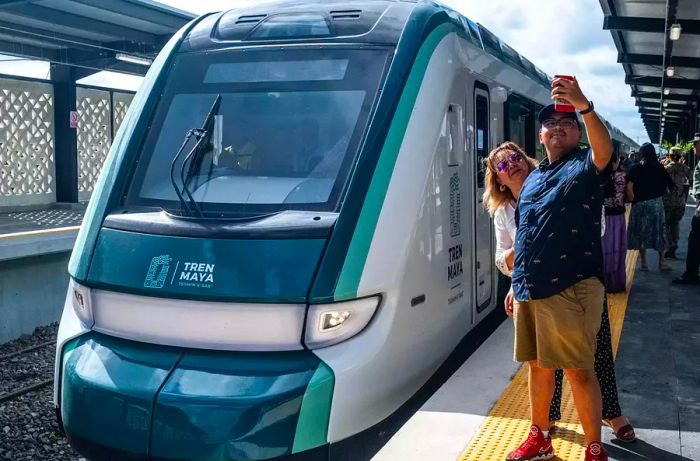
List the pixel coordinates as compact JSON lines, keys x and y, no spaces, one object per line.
{"x":348,"y":21}
{"x":358,"y":21}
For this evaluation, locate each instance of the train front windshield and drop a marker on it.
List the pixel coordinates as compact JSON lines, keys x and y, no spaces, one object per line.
{"x":284,"y":136}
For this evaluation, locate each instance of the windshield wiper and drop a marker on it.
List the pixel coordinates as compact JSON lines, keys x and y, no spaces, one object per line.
{"x":203,"y":135}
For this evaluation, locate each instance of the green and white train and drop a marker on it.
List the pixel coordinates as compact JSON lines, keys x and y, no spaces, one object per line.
{"x":287,"y":240}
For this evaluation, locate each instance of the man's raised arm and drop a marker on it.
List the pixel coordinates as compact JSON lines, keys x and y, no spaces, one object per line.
{"x":598,"y":134}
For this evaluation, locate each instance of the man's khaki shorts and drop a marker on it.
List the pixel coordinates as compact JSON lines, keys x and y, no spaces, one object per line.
{"x":560,"y":331}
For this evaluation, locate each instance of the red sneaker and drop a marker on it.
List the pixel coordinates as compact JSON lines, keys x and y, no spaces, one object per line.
{"x":596,"y":452}
{"x":535,"y":447}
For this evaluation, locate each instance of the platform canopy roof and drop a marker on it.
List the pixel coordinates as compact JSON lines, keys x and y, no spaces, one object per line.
{"x":92,"y":35}
{"x":664,"y":73}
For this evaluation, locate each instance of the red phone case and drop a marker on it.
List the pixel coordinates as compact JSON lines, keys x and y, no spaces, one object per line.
{"x":560,"y":105}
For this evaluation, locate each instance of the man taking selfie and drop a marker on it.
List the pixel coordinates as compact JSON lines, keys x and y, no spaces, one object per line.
{"x":557,"y":276}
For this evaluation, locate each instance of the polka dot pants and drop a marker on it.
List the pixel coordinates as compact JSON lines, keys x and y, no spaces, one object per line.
{"x":604,"y":369}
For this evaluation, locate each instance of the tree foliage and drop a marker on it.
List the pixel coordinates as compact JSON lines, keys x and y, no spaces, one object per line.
{"x":686,"y":146}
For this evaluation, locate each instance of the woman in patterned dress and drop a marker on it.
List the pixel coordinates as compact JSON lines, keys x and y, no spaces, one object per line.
{"x":507,"y":167}
{"x":615,"y":236}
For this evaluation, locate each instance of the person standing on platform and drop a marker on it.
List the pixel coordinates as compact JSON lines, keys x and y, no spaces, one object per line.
{"x":692,"y":261}
{"x":647,"y":182}
{"x":615,"y":237}
{"x":674,"y":199}
{"x":558,"y":269}
{"x":630,"y":161}
{"x":666,"y":160}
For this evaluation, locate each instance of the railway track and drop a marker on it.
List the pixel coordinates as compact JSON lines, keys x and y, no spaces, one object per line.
{"x":14,"y":369}
{"x":24,"y":390}
{"x":28,"y":427}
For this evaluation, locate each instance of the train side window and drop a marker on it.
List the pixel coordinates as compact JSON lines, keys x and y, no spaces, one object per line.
{"x":455,"y":134}
{"x":482,"y":136}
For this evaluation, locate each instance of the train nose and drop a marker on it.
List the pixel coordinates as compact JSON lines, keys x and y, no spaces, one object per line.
{"x":134,"y":401}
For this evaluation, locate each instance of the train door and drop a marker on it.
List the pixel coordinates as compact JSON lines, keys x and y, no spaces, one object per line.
{"x":483,"y":229}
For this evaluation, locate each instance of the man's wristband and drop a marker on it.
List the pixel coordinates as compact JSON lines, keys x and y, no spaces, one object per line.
{"x":588,"y":109}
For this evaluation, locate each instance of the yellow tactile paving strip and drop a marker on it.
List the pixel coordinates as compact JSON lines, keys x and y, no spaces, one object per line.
{"x":508,"y":423}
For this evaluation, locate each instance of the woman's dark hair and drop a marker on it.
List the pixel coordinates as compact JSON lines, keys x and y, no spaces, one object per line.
{"x":648,"y":153}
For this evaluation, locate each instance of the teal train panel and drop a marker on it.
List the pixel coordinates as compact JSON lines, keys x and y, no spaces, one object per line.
{"x":211,"y":270}
{"x":238,"y":406}
{"x":107,"y":391}
{"x":136,"y":401}
{"x":315,"y":414}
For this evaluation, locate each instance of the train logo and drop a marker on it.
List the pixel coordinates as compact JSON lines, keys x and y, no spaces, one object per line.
{"x":157,"y":272}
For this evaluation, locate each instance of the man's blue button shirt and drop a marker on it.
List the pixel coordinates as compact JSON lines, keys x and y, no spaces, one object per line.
{"x":558,"y":217}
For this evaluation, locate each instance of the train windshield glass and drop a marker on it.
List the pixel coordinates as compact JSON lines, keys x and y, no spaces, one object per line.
{"x":284,"y":135}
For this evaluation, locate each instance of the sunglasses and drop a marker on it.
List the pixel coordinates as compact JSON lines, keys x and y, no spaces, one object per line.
{"x":510,"y":160}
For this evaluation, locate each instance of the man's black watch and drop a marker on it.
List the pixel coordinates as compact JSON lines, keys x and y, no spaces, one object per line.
{"x":588,"y":109}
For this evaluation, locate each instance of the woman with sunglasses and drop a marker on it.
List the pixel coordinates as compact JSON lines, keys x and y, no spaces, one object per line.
{"x":507,"y":167}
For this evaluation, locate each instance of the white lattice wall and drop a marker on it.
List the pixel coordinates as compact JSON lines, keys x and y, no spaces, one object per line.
{"x":121,"y":103}
{"x":27,"y":143}
{"x":94,"y":136}
{"x":96,"y":115}
{"x":27,"y":170}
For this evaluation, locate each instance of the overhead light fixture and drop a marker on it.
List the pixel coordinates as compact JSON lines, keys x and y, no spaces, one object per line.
{"x":670,"y":71}
{"x":675,"y":32}
{"x":665,"y":104}
{"x":667,"y":91}
{"x":134,"y":59}
{"x":664,"y":112}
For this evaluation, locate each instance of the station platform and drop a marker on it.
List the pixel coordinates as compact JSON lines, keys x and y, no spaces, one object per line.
{"x":482,"y":411}
{"x":35,"y":246}
{"x":50,"y":217}
{"x":41,"y":231}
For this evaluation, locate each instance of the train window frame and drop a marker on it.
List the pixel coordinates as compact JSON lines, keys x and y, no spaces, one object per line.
{"x":480,"y":168}
{"x":526,"y":111}
{"x":455,"y":134}
{"x":132,"y":196}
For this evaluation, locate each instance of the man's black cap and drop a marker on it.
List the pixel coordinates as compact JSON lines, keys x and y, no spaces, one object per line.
{"x":548,"y":111}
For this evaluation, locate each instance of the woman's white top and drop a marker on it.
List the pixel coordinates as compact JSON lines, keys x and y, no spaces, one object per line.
{"x":504,"y":222}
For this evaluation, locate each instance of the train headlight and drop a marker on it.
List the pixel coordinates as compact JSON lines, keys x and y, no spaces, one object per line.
{"x":82,"y":302}
{"x":332,"y":320}
{"x":329,"y":324}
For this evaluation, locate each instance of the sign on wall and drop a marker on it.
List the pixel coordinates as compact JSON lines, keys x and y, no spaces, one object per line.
{"x":74,"y":119}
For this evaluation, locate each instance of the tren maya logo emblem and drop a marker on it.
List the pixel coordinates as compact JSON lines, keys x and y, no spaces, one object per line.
{"x":158,"y":272}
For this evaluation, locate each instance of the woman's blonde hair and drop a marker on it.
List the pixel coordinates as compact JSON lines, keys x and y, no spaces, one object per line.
{"x":494,"y":197}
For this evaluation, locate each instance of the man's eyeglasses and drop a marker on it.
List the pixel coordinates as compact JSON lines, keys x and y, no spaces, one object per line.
{"x":511,"y":159}
{"x":565,"y":123}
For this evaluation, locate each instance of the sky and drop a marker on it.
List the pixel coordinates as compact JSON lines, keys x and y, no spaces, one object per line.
{"x":560,"y":37}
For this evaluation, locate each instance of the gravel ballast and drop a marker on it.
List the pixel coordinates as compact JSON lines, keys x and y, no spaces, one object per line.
{"x":28,"y":427}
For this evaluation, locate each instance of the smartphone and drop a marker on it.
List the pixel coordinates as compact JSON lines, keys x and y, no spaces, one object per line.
{"x":561,"y":105}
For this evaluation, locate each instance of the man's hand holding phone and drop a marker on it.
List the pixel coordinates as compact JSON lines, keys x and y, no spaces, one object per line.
{"x":566,"y":88}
